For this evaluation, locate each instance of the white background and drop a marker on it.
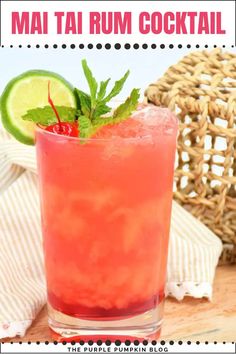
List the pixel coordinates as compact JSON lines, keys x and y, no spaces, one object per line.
{"x":145,"y":65}
{"x":227,"y":8}
{"x":60,"y":348}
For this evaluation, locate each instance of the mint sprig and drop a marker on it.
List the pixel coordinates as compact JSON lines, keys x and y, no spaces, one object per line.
{"x":97,"y":101}
{"x":95,"y":106}
{"x":93,"y":110}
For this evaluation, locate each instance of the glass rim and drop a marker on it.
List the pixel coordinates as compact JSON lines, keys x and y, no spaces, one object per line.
{"x":73,"y":138}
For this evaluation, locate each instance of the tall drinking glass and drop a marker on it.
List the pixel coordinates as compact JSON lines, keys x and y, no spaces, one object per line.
{"x":106,"y":205}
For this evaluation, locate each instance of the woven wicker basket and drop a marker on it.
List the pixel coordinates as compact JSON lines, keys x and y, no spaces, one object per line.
{"x":201,"y":90}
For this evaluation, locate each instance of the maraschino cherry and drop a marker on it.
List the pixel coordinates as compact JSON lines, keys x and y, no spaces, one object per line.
{"x":62,"y":128}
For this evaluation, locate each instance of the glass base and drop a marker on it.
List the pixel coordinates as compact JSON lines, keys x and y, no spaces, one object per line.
{"x":143,"y":326}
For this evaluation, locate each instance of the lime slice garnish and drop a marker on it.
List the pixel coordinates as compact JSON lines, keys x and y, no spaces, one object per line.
{"x":29,"y":91}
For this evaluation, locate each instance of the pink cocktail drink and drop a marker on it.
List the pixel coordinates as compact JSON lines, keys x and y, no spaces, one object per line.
{"x":106,"y":205}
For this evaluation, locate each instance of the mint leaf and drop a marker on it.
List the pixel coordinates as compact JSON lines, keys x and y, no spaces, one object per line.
{"x":117,"y":88}
{"x":85,"y":127}
{"x":126,"y":108}
{"x":93,"y":86}
{"x":102,"y":89}
{"x":84,"y":103}
{"x":101,"y":122}
{"x":46,"y":116}
{"x":101,"y":108}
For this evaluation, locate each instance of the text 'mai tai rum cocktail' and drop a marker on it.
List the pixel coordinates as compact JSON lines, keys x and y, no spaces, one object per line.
{"x":106,"y":205}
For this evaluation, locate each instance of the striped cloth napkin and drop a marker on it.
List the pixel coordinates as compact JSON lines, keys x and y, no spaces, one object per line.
{"x":193,"y":253}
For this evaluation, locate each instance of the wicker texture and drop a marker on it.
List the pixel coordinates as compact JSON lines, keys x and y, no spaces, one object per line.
{"x":201,"y":90}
